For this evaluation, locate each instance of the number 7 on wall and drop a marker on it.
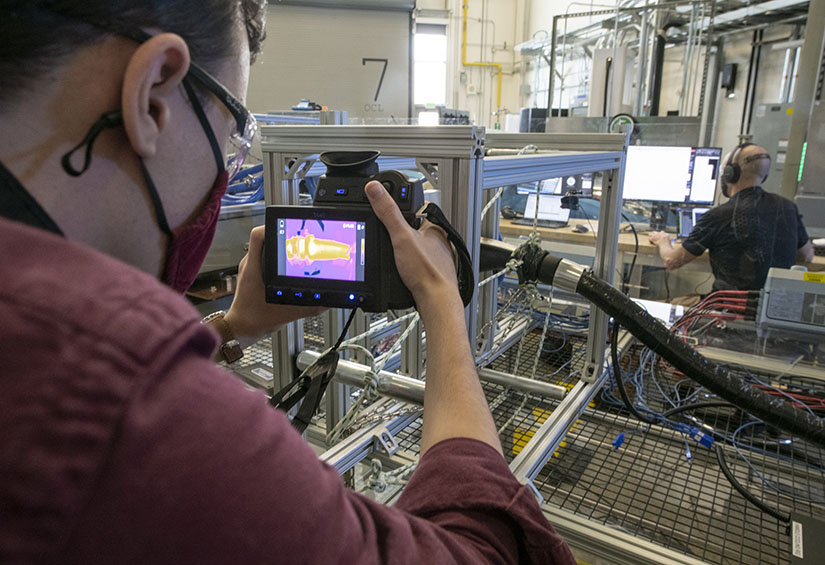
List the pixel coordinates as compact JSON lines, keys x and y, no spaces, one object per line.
{"x":366,"y":60}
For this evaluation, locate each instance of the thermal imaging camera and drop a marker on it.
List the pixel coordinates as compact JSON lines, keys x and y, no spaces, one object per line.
{"x":337,"y":253}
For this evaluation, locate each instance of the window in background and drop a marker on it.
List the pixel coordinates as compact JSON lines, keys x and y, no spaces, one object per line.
{"x":430,"y":60}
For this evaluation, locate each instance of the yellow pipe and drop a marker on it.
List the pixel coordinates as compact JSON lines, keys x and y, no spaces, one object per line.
{"x":464,"y":8}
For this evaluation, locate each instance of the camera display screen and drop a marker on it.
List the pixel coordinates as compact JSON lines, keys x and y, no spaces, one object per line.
{"x":321,"y":249}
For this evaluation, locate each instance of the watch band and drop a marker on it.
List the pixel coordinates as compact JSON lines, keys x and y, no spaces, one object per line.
{"x":230,"y":349}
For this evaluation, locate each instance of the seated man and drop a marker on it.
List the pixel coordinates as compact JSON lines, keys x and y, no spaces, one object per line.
{"x":746,"y":236}
{"x":120,"y":440}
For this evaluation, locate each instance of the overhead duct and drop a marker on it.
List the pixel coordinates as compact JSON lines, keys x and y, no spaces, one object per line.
{"x":384,"y":5}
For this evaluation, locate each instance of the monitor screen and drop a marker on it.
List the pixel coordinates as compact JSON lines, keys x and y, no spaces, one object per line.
{"x":657,"y":173}
{"x":686,"y":222}
{"x":546,"y":186}
{"x":324,"y":249}
{"x":698,"y":213}
{"x":703,"y":174}
{"x":549,"y":208}
{"x":671,"y":174}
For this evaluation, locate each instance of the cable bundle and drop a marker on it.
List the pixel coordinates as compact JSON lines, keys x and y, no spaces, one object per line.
{"x":717,"y":307}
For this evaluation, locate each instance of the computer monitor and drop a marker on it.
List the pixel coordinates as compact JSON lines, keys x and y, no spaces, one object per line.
{"x":704,"y":171}
{"x":549,"y":208}
{"x":546,"y":186}
{"x":688,"y":217}
{"x":671,"y":174}
{"x":698,"y":213}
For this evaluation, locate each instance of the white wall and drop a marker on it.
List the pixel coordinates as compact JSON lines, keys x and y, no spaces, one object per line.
{"x":736,"y":50}
{"x":488,"y":41}
{"x":318,"y":53}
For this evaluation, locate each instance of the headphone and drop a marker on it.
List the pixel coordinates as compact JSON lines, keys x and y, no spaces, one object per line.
{"x":732,"y":171}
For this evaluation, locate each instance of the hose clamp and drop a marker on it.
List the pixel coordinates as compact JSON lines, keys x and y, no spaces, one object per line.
{"x":567,"y":275}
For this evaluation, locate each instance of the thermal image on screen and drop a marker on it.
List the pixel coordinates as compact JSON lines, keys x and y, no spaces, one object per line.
{"x":324,"y":249}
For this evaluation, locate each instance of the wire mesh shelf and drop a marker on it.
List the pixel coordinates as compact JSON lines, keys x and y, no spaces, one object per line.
{"x":648,"y":480}
{"x":654,"y":484}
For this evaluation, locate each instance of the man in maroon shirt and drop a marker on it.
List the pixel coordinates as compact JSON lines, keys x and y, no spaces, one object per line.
{"x":120,"y":440}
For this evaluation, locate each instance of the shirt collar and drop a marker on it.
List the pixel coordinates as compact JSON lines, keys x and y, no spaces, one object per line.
{"x":17,"y":203}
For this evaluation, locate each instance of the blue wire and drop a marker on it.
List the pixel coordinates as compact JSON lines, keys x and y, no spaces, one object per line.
{"x":765,"y":481}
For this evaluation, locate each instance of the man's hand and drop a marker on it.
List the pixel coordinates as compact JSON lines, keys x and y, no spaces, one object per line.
{"x":250,"y":316}
{"x":424,"y":257}
{"x":673,"y":256}
{"x":658,"y":238}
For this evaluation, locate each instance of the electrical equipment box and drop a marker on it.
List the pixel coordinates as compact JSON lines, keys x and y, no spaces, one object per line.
{"x":728,"y":80}
{"x":793,"y":301}
{"x":771,"y":128}
{"x":441,"y":115}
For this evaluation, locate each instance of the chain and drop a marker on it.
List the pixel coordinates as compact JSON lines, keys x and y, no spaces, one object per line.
{"x":378,"y":480}
{"x":370,"y":388}
{"x":375,"y":417}
{"x":378,"y":328}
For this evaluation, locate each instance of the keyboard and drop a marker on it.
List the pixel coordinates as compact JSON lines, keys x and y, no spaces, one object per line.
{"x":552,"y":224}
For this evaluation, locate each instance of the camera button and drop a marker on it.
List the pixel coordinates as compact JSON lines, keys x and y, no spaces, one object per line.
{"x":388,"y":185}
{"x":341,"y":192}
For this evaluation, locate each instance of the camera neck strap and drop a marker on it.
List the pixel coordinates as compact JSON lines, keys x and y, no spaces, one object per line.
{"x":310,"y":388}
{"x":311,"y":384}
{"x":464,"y":265}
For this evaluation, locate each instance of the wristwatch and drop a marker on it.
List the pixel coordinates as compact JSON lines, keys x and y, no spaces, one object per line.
{"x":230,"y":349}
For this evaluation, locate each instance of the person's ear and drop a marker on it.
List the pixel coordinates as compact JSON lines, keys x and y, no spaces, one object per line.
{"x":152,"y":79}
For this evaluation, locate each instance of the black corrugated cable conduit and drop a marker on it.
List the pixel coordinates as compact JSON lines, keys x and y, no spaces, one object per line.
{"x":683,"y":357}
{"x":672,"y":348}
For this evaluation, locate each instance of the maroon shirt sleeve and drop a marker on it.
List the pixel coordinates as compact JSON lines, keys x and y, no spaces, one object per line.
{"x":121,"y":442}
{"x":203,"y":470}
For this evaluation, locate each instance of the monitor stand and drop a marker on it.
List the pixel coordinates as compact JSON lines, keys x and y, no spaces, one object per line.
{"x":658,"y":216}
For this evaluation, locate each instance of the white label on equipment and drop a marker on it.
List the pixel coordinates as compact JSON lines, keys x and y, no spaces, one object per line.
{"x":796,"y":541}
{"x":263,"y":373}
{"x":780,"y":157}
{"x":785,"y":305}
{"x":783,"y":143}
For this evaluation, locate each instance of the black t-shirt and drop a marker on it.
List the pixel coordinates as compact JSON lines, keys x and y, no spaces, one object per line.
{"x":752,"y":232}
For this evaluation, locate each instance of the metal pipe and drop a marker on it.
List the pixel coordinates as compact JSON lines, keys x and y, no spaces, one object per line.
{"x":752,"y":81}
{"x":553,"y":40}
{"x":794,"y":75}
{"x":640,"y":77}
{"x":706,"y":66}
{"x":464,"y":9}
{"x":686,"y":61}
{"x":786,"y":79}
{"x":412,"y":390}
{"x":751,"y":64}
{"x":529,"y":386}
{"x":694,"y":71}
{"x":656,"y":83}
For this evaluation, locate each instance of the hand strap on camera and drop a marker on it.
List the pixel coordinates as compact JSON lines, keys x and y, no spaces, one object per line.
{"x":464,"y":267}
{"x":311,"y":385}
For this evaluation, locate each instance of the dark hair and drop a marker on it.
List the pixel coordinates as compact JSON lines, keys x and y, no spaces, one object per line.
{"x":38,"y":34}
